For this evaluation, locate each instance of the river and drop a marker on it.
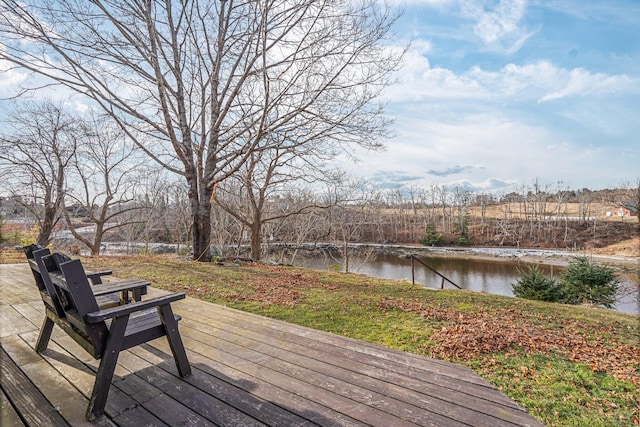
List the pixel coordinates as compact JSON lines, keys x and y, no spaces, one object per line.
{"x":493,"y":276}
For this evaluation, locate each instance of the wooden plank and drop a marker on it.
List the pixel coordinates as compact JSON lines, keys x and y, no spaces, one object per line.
{"x":139,"y":416}
{"x":435,"y":396}
{"x":135,"y":386}
{"x":377,"y":355}
{"x":204,"y":405}
{"x":58,"y":387}
{"x":498,"y":407}
{"x":83,"y":377}
{"x":369,"y":395}
{"x":20,"y":353}
{"x":387,"y":394}
{"x":67,"y":358}
{"x":330,"y":398}
{"x":13,"y":323}
{"x":251,"y":388}
{"x":464,"y":401}
{"x":8,"y":415}
{"x":14,"y":287}
{"x":252,"y":405}
{"x":176,"y":414}
{"x":34,"y":313}
{"x":443,"y":374}
{"x":25,"y":396}
{"x":332,"y":345}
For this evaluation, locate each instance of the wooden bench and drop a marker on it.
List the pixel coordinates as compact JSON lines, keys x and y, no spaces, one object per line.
{"x":104,"y":333}
{"x":107,"y":294}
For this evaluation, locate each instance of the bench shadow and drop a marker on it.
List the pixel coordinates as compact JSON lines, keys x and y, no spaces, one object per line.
{"x":214,"y":397}
{"x":157,"y":395}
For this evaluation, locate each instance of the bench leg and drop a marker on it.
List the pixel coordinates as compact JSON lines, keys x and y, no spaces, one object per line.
{"x":175,"y":341}
{"x":124,"y":297}
{"x":45,"y":334}
{"x":107,"y":367}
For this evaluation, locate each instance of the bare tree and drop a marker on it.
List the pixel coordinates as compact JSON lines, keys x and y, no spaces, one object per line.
{"x":349,"y":216}
{"x":107,"y":170}
{"x":483,"y":200}
{"x":441,"y":196}
{"x":263,"y":190}
{"x":462,"y":202}
{"x":200,"y":85}
{"x":636,"y":196}
{"x":38,"y":148}
{"x":300,"y":232}
{"x":151,"y":215}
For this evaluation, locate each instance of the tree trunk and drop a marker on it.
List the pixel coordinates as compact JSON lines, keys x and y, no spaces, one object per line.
{"x":46,"y":227}
{"x":346,"y":257}
{"x":256,"y":241}
{"x":97,"y":238}
{"x":201,"y":229}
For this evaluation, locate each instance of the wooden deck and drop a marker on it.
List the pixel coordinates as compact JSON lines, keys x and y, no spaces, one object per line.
{"x":248,"y":371}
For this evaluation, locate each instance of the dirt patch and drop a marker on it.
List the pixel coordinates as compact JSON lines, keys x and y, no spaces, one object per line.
{"x":626,"y":248}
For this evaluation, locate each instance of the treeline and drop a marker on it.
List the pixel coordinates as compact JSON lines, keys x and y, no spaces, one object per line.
{"x":349,"y":211}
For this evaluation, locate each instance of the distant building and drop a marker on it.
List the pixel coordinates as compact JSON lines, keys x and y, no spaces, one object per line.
{"x":625,"y":209}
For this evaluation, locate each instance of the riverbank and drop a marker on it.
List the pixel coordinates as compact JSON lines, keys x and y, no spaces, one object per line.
{"x":541,"y":256}
{"x":546,"y":256}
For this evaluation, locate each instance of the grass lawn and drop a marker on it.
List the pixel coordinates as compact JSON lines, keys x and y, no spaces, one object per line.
{"x":567,"y":365}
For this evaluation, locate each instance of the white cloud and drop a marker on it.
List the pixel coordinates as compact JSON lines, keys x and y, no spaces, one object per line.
{"x":491,"y":126}
{"x":544,"y":81}
{"x":421,"y":46}
{"x":581,"y":82}
{"x":10,"y":77}
{"x":417,"y":80}
{"x":490,"y":149}
{"x":541,"y":81}
{"x":492,"y":24}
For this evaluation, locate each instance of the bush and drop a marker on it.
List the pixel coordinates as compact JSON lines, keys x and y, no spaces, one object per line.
{"x":586,"y":282}
{"x":462,"y":240}
{"x":432,"y":237}
{"x":533,"y":284}
{"x":582,"y":282}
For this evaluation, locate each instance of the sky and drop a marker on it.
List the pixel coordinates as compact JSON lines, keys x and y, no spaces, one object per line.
{"x":496,"y":94}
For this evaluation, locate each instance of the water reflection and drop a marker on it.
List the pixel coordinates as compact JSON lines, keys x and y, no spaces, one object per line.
{"x":491,"y":276}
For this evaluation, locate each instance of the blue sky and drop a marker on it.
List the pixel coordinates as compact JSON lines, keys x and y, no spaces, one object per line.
{"x":496,"y":94}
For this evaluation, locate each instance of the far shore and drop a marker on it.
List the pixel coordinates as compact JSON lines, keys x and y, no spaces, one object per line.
{"x":543,"y":256}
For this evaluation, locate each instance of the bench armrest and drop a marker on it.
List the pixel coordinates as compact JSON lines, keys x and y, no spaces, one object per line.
{"x":96,"y":276}
{"x":128,"y":285}
{"x":122,"y":310}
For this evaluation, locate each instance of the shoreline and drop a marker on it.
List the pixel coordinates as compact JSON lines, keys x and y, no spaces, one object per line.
{"x":542,"y":256}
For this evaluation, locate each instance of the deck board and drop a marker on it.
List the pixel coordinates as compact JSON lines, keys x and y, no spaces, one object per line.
{"x":248,"y":370}
{"x":8,"y":415}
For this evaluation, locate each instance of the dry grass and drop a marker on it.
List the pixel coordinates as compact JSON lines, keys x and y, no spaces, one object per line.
{"x":626,"y":248}
{"x":598,"y":210}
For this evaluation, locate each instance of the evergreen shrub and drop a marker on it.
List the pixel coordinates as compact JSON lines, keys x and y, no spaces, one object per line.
{"x":534,"y":285}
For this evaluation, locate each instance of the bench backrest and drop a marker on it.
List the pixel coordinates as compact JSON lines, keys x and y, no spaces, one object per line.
{"x":34,"y":254}
{"x":30,"y":251}
{"x":77,"y":300}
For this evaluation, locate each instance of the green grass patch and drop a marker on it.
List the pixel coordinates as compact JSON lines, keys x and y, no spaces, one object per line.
{"x":562,"y":393}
